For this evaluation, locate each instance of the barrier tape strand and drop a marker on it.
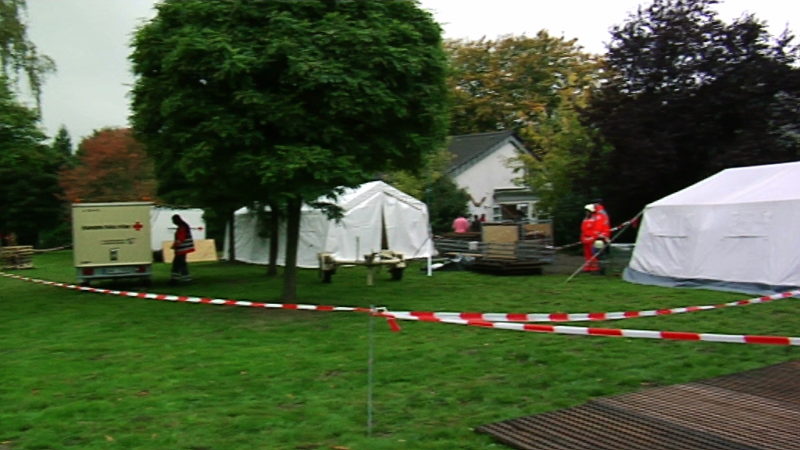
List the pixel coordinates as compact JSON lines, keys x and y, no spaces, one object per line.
{"x":470,"y":319}
{"x":608,"y":332}
{"x":591,"y":316}
{"x":191,"y":299}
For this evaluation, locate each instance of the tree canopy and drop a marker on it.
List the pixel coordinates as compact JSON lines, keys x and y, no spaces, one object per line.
{"x":111,"y":166}
{"x":516,"y":81}
{"x":690,"y":95}
{"x":17,"y":53}
{"x":253,"y":101}
{"x":28,"y":172}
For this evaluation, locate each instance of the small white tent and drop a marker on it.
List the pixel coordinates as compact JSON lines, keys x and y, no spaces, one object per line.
{"x":372,"y":212}
{"x":738,"y":230}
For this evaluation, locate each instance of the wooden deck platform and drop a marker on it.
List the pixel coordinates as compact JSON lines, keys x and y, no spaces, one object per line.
{"x":757,"y":409}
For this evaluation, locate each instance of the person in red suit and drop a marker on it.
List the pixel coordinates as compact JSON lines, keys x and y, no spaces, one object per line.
{"x":588,"y":234}
{"x":595,"y":237}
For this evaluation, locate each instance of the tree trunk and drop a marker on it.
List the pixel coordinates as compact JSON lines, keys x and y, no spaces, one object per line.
{"x":274,"y":222}
{"x":232,"y":236}
{"x":293,"y":207}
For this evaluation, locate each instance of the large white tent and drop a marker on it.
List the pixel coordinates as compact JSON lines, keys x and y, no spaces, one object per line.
{"x":738,"y":230}
{"x":371,"y":212}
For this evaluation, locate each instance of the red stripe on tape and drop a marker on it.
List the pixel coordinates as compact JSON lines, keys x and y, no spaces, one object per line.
{"x":605,"y":332}
{"x":517,"y":317}
{"x":425,"y":315}
{"x":471,"y":316}
{"x":597,"y":316}
{"x":680,"y":335}
{"x":772,"y":340}
{"x":559,"y":317}
{"x":538,"y":327}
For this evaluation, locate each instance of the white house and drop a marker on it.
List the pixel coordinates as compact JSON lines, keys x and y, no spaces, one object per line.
{"x":484,"y":166}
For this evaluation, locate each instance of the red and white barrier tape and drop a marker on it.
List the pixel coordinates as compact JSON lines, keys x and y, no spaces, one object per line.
{"x":581,"y":317}
{"x":392,"y":318}
{"x":187,"y":299}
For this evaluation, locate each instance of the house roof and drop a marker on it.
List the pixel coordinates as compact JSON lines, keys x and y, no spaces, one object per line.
{"x":470,"y":148}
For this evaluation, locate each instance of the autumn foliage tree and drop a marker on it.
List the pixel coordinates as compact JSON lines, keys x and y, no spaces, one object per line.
{"x":111,"y":166}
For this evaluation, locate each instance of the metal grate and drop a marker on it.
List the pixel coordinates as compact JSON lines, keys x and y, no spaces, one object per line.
{"x":757,"y":409}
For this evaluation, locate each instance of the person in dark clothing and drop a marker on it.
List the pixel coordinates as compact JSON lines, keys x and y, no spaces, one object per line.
{"x":475,"y":224}
{"x":182,"y":245}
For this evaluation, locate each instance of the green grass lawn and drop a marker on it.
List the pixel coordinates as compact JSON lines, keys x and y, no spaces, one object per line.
{"x":90,"y":371}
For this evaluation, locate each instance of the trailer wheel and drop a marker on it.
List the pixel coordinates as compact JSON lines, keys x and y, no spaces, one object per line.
{"x":397,"y":273}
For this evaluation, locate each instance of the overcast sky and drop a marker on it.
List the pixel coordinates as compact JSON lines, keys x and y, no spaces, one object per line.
{"x":88,"y":39}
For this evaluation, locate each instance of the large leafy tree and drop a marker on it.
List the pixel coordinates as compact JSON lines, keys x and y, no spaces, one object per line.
{"x":691,"y":95}
{"x":29,"y":189}
{"x":111,"y":166}
{"x":516,"y":81}
{"x":283,"y":101}
{"x":17,"y":53}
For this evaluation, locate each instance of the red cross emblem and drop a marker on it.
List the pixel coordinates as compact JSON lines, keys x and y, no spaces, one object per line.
{"x":137,"y":226}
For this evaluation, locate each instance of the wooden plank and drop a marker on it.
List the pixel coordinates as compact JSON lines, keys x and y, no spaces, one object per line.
{"x":16,"y":257}
{"x":205,"y":250}
{"x":500,"y":233}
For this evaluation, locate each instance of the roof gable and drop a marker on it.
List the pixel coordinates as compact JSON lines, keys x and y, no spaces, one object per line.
{"x":468,"y":149}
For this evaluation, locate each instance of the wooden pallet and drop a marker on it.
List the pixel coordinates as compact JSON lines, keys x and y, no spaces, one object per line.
{"x":16,"y":257}
{"x":757,"y":409}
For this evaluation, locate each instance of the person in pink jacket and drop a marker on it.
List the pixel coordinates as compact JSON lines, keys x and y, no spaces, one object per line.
{"x":461,"y":224}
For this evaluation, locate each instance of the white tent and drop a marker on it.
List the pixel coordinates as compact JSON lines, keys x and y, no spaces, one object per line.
{"x":738,"y":230}
{"x":371,"y":211}
{"x":164,"y":230}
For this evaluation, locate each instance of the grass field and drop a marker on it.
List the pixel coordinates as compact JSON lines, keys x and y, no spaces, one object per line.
{"x":89,"y":371}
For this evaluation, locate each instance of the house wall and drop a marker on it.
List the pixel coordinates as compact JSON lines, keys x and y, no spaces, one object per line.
{"x":482,"y":178}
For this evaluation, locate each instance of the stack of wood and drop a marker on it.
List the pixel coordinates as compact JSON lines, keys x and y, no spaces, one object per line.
{"x":16,"y":257}
{"x":503,"y":248}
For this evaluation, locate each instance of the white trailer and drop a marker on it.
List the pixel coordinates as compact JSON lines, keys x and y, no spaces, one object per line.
{"x":112,"y":240}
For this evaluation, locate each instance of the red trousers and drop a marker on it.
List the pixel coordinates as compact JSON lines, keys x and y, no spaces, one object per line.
{"x":592,"y":264}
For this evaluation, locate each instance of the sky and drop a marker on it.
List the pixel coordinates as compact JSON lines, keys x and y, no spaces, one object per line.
{"x":89,"y":41}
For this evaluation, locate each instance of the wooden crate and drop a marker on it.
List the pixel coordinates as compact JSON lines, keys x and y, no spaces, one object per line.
{"x":17,"y":257}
